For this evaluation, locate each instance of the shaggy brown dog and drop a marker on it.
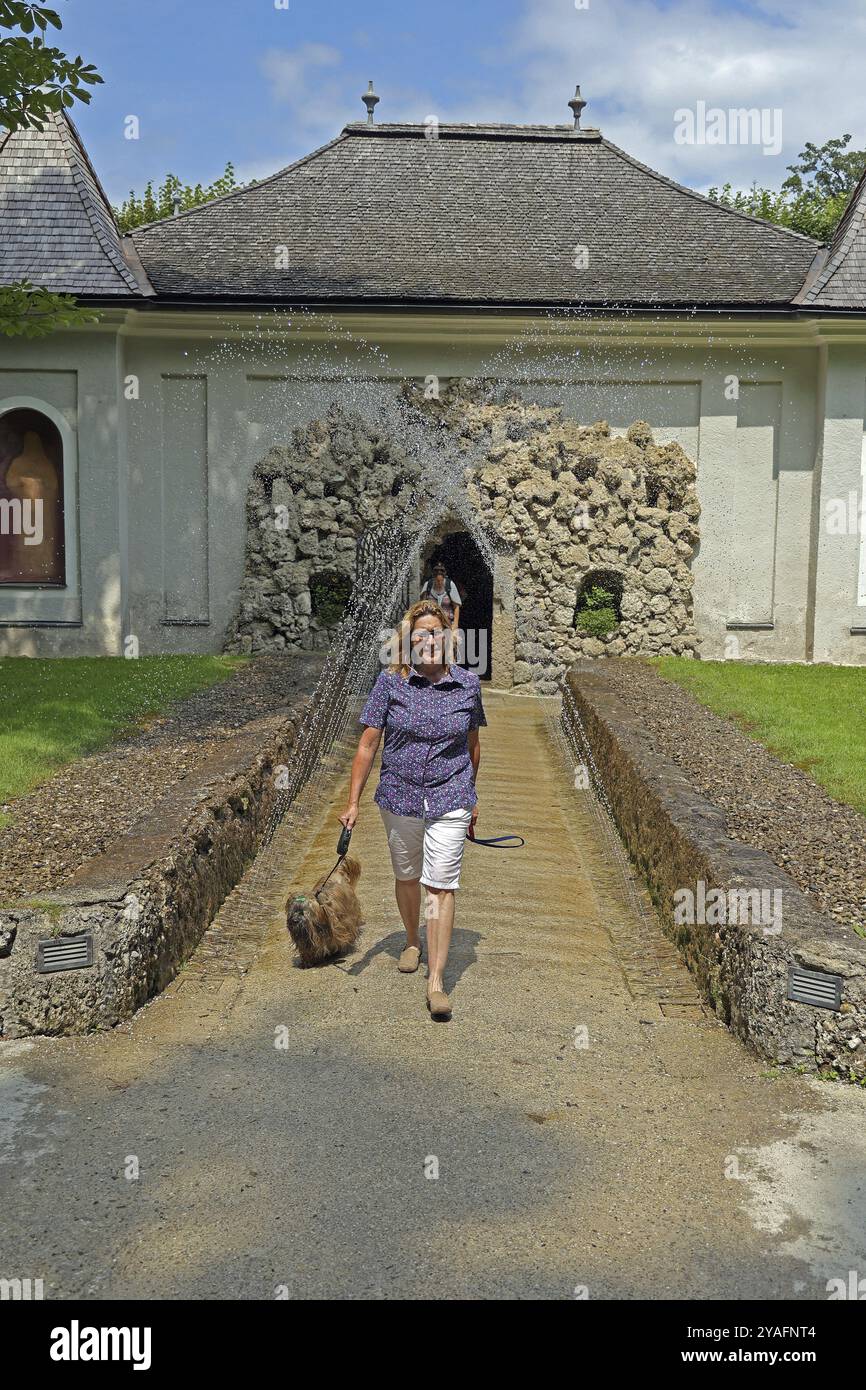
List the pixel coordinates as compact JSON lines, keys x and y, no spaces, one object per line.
{"x":326,"y":926}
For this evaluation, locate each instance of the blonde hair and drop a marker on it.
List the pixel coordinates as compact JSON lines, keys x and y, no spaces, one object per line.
{"x":402,"y":638}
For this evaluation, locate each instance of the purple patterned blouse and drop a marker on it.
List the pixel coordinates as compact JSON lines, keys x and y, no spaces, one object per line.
{"x":426,"y":767}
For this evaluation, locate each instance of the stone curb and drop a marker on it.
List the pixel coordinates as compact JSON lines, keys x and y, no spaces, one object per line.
{"x":149,"y":898}
{"x":678,"y":839}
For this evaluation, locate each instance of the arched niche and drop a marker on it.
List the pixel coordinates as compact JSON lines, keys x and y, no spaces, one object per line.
{"x":32,"y":499}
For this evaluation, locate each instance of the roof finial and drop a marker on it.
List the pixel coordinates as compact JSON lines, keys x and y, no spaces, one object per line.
{"x":577,"y":104}
{"x":370,"y":99}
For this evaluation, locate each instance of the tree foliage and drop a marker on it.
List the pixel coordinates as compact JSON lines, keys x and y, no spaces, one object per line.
{"x":171,"y":194}
{"x":36,"y":80}
{"x":813,"y":197}
{"x":28,"y":311}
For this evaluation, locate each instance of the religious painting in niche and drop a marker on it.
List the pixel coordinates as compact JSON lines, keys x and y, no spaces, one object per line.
{"x":31,"y":500}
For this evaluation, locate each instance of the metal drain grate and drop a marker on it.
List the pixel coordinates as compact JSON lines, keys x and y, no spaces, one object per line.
{"x":64,"y":953}
{"x":814,"y":987}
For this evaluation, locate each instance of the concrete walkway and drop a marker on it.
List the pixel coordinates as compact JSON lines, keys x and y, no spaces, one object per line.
{"x":287,"y":1124}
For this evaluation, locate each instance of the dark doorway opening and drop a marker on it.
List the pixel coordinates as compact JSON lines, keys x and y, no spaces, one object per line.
{"x":467,"y":568}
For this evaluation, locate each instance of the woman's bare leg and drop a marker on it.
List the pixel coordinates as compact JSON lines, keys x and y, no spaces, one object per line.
{"x":408,"y":894}
{"x":440,"y":924}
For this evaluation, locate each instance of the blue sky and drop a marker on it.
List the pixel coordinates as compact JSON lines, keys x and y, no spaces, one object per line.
{"x":211,"y":80}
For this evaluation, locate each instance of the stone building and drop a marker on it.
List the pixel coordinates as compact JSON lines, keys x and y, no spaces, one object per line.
{"x":541,"y":258}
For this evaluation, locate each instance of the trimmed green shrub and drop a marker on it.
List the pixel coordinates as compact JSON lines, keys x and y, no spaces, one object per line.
{"x":597,"y":614}
{"x":329,"y":594}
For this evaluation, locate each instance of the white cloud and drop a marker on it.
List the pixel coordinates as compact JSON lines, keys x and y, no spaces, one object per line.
{"x":300,"y":81}
{"x":638,"y":63}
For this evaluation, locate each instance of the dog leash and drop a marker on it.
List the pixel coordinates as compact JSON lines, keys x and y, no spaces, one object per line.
{"x":495,"y":842}
{"x":342,"y":851}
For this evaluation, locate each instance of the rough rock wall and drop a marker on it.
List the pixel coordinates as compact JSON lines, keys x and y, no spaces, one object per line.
{"x":565,"y":499}
{"x":573,"y":499}
{"x":308,"y":502}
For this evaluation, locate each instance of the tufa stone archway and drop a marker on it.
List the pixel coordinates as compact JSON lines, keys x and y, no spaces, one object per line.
{"x":558,"y":500}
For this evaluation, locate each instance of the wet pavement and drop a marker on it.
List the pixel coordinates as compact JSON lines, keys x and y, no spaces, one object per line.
{"x":580,"y":1127}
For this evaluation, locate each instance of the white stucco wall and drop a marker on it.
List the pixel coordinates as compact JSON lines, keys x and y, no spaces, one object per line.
{"x":162,"y":476}
{"x":840,"y":550}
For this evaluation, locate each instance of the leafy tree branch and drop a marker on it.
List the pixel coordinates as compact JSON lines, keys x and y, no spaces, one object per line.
{"x":814,"y":196}
{"x":172,"y":193}
{"x":36,"y":81}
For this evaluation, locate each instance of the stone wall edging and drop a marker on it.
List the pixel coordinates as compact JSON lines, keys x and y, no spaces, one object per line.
{"x":150,"y":897}
{"x":676,"y":837}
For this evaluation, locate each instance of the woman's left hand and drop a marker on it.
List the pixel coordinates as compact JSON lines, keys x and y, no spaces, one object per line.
{"x":471,"y":831}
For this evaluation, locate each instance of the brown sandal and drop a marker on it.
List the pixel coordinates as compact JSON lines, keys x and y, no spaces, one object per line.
{"x":410,"y":959}
{"x":439,"y":1004}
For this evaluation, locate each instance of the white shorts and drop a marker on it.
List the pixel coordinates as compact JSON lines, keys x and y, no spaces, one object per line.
{"x":429,"y":848}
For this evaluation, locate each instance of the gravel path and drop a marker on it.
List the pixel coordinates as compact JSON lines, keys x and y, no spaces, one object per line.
{"x":767,"y":803}
{"x":77,"y":813}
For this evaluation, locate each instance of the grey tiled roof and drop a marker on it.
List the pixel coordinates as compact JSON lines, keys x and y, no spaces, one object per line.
{"x":483,"y":214}
{"x":56,"y":225}
{"x":838,"y":279}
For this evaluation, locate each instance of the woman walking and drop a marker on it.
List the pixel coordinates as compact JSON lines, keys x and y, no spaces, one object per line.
{"x":430,"y":710}
{"x":445,"y":592}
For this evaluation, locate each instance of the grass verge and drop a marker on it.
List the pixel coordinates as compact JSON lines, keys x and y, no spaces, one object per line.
{"x":56,"y":710}
{"x":811,"y":716}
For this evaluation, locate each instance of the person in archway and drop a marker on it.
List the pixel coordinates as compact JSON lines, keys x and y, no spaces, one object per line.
{"x":443,"y":589}
{"x":430,"y":710}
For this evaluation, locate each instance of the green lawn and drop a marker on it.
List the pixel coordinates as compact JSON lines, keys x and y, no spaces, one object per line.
{"x":812,"y":716}
{"x":56,"y":710}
